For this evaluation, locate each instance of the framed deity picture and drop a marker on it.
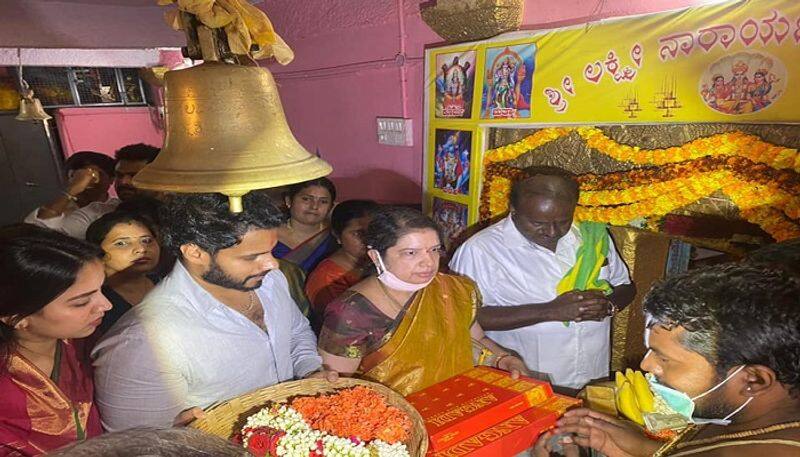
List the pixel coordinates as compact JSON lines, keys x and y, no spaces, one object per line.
{"x":508,"y":81}
{"x":455,"y":80}
{"x":451,"y":217}
{"x":451,"y":161}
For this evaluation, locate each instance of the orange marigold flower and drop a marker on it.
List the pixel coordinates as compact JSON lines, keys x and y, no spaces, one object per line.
{"x":356,"y":412}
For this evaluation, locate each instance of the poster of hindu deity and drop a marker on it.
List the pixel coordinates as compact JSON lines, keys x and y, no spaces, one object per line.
{"x":451,"y":161}
{"x":451,"y":217}
{"x":744,"y":82}
{"x":455,"y":78}
{"x":508,"y":81}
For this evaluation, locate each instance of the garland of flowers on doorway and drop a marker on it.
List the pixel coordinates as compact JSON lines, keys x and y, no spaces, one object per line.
{"x":760,"y":178}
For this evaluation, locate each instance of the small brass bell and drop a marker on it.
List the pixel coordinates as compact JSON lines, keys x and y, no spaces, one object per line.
{"x":226,"y":132}
{"x":30,"y":109}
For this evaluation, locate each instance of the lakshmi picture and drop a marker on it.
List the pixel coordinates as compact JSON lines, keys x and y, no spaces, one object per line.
{"x":742,"y":83}
{"x":508,"y":82}
{"x":451,"y":217}
{"x":455,"y":79}
{"x":451,"y":161}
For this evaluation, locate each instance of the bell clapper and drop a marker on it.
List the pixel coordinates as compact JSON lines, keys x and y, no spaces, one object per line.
{"x":235,"y":202}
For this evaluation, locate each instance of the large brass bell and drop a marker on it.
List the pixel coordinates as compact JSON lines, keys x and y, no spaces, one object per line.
{"x":30,"y":109}
{"x":226,"y":132}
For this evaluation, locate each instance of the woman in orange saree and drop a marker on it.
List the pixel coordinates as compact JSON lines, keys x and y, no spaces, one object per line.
{"x":348,"y":265}
{"x":407,"y":327}
{"x":49,"y":295}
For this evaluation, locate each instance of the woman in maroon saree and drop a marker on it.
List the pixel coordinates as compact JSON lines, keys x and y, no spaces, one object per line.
{"x":49,"y":296}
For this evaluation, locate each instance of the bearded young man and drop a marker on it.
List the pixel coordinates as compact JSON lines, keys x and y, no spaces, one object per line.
{"x":724,"y":352}
{"x":221,"y":324}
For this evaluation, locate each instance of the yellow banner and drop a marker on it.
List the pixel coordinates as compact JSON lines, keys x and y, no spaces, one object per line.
{"x":726,"y":62}
{"x":731,"y":62}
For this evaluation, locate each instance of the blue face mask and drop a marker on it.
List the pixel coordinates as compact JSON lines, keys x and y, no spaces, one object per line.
{"x":684,"y":405}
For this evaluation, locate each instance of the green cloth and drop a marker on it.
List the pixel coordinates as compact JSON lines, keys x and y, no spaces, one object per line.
{"x":589,"y":259}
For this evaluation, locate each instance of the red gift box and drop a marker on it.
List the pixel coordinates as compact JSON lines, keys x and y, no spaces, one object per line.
{"x":467,"y":404}
{"x":513,"y":435}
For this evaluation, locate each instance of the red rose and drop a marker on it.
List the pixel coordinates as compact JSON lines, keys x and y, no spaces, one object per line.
{"x":259,"y":445}
{"x":264,"y":441}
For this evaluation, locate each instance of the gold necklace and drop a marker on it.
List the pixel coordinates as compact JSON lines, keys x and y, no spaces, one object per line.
{"x":252,"y":302}
{"x":742,"y":434}
{"x":394,"y":301}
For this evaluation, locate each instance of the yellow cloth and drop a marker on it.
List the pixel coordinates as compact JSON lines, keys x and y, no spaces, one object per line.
{"x":589,"y":259}
{"x":243,"y":23}
{"x":433,"y":341}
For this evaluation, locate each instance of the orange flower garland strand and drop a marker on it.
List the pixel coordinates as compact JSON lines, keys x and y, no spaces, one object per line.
{"x":735,"y":143}
{"x":731,"y":143}
{"x":654,"y":207}
{"x":760,"y":178}
{"x":681,"y":186}
{"x":530,"y":142}
{"x":357,"y":412}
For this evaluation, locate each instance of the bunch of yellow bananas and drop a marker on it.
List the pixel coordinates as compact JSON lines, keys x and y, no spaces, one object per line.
{"x":634,"y":397}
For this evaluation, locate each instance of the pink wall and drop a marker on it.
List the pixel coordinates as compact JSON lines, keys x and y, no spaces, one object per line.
{"x":344,"y":76}
{"x":105,"y":129}
{"x":85,"y":24}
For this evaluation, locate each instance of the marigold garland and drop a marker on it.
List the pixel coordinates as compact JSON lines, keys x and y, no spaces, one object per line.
{"x":731,"y":143}
{"x":734,"y":143}
{"x":681,"y":186}
{"x":530,"y":142}
{"x":743,"y":168}
{"x":760,"y":178}
{"x":695,"y":189}
{"x":773,"y":222}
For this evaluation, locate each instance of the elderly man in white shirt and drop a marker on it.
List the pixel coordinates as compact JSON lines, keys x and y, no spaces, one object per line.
{"x":518,"y":263}
{"x":221,"y":324}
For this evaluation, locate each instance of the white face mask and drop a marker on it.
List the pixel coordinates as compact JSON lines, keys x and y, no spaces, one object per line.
{"x":393,"y":282}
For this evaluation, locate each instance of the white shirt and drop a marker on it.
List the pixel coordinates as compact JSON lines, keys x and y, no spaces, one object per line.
{"x":510,"y":270}
{"x":76,"y":222}
{"x":182,"y":348}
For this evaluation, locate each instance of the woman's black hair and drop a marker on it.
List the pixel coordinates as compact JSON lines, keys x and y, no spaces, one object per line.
{"x":348,"y":210}
{"x":390,"y":223}
{"x":99,"y":229}
{"x":295,"y":189}
{"x":36,"y":266}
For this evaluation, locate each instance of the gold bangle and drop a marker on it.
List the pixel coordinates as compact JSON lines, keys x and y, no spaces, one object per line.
{"x":499,"y":358}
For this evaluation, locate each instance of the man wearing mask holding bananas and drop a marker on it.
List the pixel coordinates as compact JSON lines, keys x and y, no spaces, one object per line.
{"x":724,"y":355}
